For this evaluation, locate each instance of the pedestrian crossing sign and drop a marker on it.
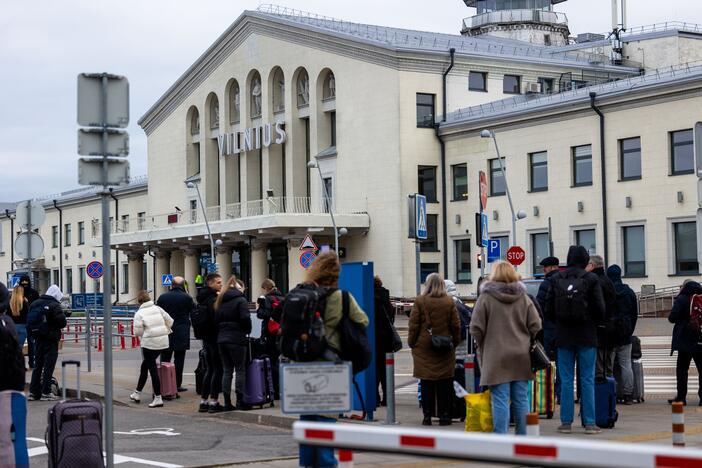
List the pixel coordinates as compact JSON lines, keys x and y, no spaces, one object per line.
{"x":167,"y":280}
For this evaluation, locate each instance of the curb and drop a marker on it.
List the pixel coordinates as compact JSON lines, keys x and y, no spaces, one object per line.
{"x":272,"y":420}
{"x":250,"y":462}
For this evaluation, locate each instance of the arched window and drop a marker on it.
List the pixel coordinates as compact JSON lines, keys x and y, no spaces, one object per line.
{"x":256,"y":96}
{"x":214,"y":113}
{"x":329,"y":87}
{"x":278,"y":91}
{"x":195,"y":122}
{"x":303,"y":89}
{"x":234,"y":103}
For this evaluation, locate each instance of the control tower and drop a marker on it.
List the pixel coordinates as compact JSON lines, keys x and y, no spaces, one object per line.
{"x":531,"y":21}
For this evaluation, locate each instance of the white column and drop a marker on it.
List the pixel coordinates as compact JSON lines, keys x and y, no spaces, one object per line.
{"x":192,"y":268}
{"x":224,"y":262}
{"x":259,"y":268}
{"x":163,"y":267}
{"x":177,"y":267}
{"x":136,"y":274}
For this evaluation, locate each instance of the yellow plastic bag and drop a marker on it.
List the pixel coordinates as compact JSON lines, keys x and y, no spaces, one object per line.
{"x":478,"y":412}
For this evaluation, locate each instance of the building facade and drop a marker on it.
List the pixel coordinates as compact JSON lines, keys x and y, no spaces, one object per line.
{"x":289,"y":116}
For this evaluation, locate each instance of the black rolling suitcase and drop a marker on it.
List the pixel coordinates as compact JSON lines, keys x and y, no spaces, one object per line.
{"x":74,"y":433}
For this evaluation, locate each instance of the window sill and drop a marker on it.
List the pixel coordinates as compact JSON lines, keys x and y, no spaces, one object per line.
{"x":464,"y":282}
{"x":459,"y":199}
{"x":478,"y":90}
{"x":511,"y":93}
{"x":682,"y":275}
{"x":629,"y":179}
{"x":426,"y":126}
{"x":434,"y":202}
{"x":681,"y":173}
{"x":429,"y":251}
{"x":492,"y":195}
{"x":538,"y":190}
{"x":635,"y":276}
{"x":581,"y":185}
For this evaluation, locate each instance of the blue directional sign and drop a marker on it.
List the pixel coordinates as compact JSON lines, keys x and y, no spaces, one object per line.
{"x":421,"y":217}
{"x":167,"y":280}
{"x":494,"y":248}
{"x":86,"y":301}
{"x":484,"y":229}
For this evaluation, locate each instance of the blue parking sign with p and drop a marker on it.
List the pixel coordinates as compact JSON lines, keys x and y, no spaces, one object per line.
{"x":494,"y":248}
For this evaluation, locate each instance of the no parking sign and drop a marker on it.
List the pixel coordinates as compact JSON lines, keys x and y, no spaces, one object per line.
{"x":94,"y":270}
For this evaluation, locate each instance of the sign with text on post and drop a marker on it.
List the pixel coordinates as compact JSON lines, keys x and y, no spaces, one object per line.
{"x":316,"y":388}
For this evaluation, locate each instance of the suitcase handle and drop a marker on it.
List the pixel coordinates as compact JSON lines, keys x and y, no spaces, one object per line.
{"x":63,"y":377}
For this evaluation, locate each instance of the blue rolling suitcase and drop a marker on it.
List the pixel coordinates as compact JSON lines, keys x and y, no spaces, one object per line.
{"x":606,"y":403}
{"x":13,"y":430}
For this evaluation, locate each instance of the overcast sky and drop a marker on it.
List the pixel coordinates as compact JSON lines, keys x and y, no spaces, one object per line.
{"x":45,"y":44}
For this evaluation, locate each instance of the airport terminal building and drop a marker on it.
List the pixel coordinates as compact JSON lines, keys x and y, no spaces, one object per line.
{"x":382,"y":113}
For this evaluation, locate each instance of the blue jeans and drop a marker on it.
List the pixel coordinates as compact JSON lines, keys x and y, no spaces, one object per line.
{"x":21,"y":334}
{"x":586,"y":357}
{"x":501,"y":395}
{"x":325,"y":455}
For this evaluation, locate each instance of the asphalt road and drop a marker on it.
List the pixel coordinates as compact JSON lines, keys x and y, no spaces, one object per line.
{"x":151,"y":437}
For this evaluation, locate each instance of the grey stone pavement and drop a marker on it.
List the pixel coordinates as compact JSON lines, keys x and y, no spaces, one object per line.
{"x":261,"y":438}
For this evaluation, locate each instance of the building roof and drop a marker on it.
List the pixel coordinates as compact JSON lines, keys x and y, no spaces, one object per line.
{"x":528,"y":103}
{"x":472,"y":3}
{"x":89,"y":192}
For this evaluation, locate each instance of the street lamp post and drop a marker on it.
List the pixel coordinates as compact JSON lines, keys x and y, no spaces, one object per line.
{"x":191,"y":185}
{"x":515,"y":216}
{"x":315,"y":163}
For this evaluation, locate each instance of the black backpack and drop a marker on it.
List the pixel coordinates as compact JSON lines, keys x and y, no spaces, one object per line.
{"x":302,"y":323}
{"x":37,"y":323}
{"x":354,"y":340}
{"x":570,"y":292}
{"x":201,"y":320}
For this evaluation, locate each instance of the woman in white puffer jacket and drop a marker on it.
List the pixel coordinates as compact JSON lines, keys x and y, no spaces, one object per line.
{"x":153,"y":325}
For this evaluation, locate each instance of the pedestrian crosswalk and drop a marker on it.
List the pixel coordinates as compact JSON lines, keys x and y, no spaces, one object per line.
{"x":659,"y":370}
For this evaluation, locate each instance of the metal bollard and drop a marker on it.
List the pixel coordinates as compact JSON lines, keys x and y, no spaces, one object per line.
{"x":122,"y":344}
{"x":533,"y":425}
{"x":345,"y":459}
{"x":99,"y":340}
{"x":678,"y":424}
{"x":469,"y":372}
{"x":390,"y":388}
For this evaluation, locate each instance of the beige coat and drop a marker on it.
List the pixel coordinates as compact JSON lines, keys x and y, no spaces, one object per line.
{"x":428,"y":364}
{"x":503,"y":324}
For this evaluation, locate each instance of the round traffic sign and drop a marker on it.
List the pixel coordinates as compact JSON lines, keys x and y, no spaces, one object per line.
{"x":29,"y":246}
{"x":516,"y":255}
{"x":94,"y":270}
{"x":306,"y":258}
{"x":30,"y":215}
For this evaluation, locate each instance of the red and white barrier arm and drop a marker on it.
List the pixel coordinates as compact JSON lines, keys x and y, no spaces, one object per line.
{"x":543,"y":451}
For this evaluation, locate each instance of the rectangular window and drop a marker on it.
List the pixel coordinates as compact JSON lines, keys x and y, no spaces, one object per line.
{"x":425,"y":110}
{"x":328,"y":194}
{"x":512,"y":84}
{"x":630,"y":158}
{"x":546,"y":85}
{"x":432,"y":242}
{"x":55,"y":277}
{"x":427,"y":182}
{"x":460,"y":181}
{"x":463,"y":261}
{"x":82,"y":279}
{"x":682,"y":155}
{"x":54,"y":236}
{"x":539,"y":249}
{"x":332,"y":137}
{"x":686,"y":248}
{"x":141,"y":220}
{"x":67,"y":235}
{"x":538,"y":168}
{"x":582,"y":165}
{"x":68,"y":284}
{"x":477,"y":81}
{"x":426,"y":269}
{"x":634,"y":251}
{"x":125,"y":223}
{"x":588,"y":239}
{"x":81,"y":232}
{"x":125,"y":278}
{"x":497,"y":180}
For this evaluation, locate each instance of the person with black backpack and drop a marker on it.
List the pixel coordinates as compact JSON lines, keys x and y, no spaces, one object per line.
{"x":686,"y":314}
{"x":205,"y":328}
{"x":384,"y":336}
{"x":333,"y":325}
{"x":624,"y":324}
{"x":270,"y":310}
{"x":576,"y":306}
{"x":45,"y":321}
{"x":606,"y":331}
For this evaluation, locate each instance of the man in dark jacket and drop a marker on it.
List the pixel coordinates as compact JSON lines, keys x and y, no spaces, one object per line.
{"x":270,"y":310}
{"x":233,"y":321}
{"x":31,"y":295}
{"x":550,"y":265}
{"x":46,"y":319}
{"x":685,"y":341}
{"x":625,"y":324}
{"x":179,"y":306}
{"x":576,"y":305}
{"x":384,"y":315}
{"x":606,"y":340}
{"x":212,"y":380}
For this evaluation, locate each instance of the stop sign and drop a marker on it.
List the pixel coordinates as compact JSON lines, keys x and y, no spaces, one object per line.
{"x":516,"y":255}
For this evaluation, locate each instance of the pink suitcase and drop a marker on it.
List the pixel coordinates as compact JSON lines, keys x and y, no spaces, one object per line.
{"x":167,"y":376}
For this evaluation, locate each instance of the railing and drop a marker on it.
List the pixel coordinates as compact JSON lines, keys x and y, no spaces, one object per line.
{"x":515,"y":16}
{"x":667,"y":26}
{"x":657,"y":303}
{"x":266,"y":207}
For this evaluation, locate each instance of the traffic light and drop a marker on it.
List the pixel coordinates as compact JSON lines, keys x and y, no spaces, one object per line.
{"x":479,"y":257}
